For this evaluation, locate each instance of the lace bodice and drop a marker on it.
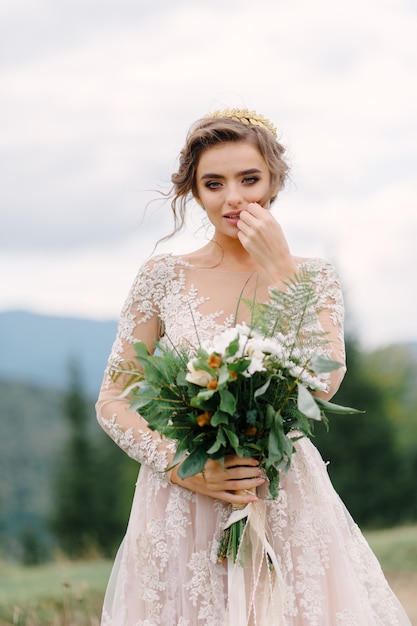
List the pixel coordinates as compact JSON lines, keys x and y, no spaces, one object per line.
{"x":172,"y":299}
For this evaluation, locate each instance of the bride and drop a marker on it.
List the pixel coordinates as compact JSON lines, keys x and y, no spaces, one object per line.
{"x":166,"y":572}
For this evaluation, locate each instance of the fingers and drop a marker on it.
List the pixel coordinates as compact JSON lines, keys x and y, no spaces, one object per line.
{"x":233,"y":476}
{"x":263,"y":238}
{"x":234,"y":482}
{"x":241,"y":498}
{"x":257,"y":222}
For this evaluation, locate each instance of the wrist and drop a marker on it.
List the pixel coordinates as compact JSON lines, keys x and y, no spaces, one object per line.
{"x":282,"y":275}
{"x":172,"y":475}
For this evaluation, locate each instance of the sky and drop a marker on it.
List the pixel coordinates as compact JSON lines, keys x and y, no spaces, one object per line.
{"x":96,"y":98}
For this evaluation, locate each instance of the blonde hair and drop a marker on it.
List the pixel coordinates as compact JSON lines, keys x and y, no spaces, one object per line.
{"x":211,"y":131}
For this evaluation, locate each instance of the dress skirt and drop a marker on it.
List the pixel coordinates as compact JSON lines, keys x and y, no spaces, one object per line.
{"x":166,"y":571}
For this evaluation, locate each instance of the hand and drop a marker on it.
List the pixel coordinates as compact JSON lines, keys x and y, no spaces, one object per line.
{"x":262,"y":236}
{"x":226,"y":482}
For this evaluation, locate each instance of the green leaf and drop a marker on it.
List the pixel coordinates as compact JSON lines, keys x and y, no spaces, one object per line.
{"x":144,"y":395}
{"x":238,"y":366}
{"x":142,"y":352}
{"x":322,"y":363}
{"x":275,"y":441}
{"x":224,"y":375}
{"x":178,"y":458}
{"x":227,"y":402}
{"x":307,"y":404}
{"x":181,"y":381}
{"x":220,"y":441}
{"x":269,"y":415}
{"x":201,"y":398}
{"x":219,"y":417}
{"x":139,"y":403}
{"x":336,"y":408}
{"x":155,"y":371}
{"x":233,"y":347}
{"x":233,"y":438}
{"x":193,"y":464}
{"x":201,"y":363}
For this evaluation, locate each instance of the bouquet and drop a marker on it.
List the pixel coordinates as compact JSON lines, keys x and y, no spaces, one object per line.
{"x":248,"y":391}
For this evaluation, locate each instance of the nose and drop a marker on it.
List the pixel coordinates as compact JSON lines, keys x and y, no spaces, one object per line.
{"x":233,"y":197}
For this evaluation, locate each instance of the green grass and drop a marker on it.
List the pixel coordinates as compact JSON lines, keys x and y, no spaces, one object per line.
{"x":56,"y":594}
{"x":65,"y":593}
{"x":395,"y":548}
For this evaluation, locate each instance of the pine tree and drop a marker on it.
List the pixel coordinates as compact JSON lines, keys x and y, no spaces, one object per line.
{"x":93,"y":483}
{"x":365,"y":464}
{"x":74,"y":521}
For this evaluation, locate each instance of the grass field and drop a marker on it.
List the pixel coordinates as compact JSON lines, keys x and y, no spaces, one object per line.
{"x":62,"y":593}
{"x":67,"y":593}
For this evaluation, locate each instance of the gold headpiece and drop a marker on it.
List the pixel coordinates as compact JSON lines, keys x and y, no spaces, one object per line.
{"x":246,"y":117}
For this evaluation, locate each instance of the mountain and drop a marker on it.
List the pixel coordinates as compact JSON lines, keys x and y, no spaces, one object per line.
{"x":38,"y":348}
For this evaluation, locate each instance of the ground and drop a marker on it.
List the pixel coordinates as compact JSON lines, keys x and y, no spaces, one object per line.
{"x":404,"y":585}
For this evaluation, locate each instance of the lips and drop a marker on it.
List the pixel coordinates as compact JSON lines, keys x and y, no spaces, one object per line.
{"x":232,"y":216}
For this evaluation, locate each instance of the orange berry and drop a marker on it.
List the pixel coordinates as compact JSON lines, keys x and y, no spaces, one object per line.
{"x":204,"y":418}
{"x":214,"y":361}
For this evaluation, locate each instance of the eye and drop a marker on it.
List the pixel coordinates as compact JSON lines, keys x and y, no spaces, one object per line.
{"x":212,"y":184}
{"x":250,"y":180}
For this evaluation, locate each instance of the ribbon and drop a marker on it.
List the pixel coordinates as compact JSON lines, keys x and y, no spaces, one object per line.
{"x":255,"y":583}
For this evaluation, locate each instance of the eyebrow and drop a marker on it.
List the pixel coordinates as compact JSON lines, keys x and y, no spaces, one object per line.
{"x":253,"y":170}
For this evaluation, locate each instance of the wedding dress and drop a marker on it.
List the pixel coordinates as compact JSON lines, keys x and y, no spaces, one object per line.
{"x":166,"y":571}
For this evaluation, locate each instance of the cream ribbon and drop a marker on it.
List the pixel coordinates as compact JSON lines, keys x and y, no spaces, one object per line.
{"x":255,"y":589}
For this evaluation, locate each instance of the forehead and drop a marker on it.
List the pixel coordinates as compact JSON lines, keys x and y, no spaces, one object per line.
{"x":231,"y":155}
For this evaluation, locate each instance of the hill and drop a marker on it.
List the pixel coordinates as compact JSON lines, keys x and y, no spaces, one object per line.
{"x":37,"y":348}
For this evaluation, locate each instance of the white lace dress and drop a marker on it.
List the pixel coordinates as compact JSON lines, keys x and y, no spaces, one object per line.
{"x":165,"y":572}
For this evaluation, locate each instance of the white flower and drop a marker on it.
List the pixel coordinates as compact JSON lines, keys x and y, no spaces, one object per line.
{"x":197,"y":377}
{"x":267,"y":345}
{"x":256,"y":363}
{"x":220,"y":343}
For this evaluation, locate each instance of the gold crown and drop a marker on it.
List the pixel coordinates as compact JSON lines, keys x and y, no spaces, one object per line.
{"x":245,"y":117}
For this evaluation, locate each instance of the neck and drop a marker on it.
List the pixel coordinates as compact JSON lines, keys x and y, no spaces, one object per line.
{"x":231,"y":254}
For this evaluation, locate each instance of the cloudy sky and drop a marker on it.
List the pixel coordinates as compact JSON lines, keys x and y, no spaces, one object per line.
{"x":96,"y":99}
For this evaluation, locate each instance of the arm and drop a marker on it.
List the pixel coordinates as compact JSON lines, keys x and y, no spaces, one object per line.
{"x":331,"y":320}
{"x":138,"y":322}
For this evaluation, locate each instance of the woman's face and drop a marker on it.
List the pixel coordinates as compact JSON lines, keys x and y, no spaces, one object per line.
{"x":230,"y":176}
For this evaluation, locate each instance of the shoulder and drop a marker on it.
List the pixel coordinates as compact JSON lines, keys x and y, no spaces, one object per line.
{"x":326,"y":280}
{"x":157,"y":275}
{"x":322,"y":269}
{"x":161,"y":268}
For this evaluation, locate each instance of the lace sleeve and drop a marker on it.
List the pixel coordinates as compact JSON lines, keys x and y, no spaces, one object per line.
{"x":331,"y":318}
{"x":139,"y":321}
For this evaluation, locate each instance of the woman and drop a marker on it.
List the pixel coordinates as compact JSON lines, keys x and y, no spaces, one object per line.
{"x":166,"y":571}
